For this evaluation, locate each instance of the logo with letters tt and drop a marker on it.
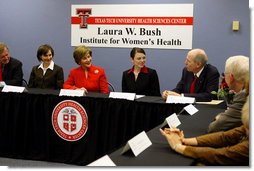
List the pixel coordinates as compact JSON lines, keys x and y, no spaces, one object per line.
{"x":69,"y":120}
{"x":83,"y":14}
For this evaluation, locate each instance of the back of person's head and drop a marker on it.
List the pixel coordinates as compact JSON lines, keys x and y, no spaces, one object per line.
{"x":2,"y":47}
{"x":136,"y":50}
{"x":80,"y":52}
{"x":199,"y":56}
{"x":246,"y":113}
{"x":247,"y":85}
{"x":238,"y":66}
{"x":43,"y":50}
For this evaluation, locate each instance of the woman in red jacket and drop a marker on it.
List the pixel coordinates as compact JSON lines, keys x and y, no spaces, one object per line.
{"x":87,"y":76}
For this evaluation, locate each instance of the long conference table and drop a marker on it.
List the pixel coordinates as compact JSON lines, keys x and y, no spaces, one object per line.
{"x":160,"y":153}
{"x":26,"y":130}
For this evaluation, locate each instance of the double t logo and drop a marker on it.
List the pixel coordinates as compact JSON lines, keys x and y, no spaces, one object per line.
{"x":83,"y":14}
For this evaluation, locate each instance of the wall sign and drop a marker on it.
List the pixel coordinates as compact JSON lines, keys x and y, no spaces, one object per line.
{"x":165,"y":26}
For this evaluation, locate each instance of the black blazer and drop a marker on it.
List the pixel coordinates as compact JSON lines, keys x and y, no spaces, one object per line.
{"x":208,"y":81}
{"x":53,"y":79}
{"x":13,"y":73}
{"x":146,"y":83}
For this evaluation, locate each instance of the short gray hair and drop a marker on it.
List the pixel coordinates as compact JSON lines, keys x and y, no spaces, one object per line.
{"x":238,"y":66}
{"x":199,"y":56}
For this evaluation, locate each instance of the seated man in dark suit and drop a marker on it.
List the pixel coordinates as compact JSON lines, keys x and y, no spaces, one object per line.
{"x":198,"y":80}
{"x":10,"y":68}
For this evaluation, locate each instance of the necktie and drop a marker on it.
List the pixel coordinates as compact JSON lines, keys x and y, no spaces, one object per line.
{"x":1,"y":73}
{"x":193,"y":84}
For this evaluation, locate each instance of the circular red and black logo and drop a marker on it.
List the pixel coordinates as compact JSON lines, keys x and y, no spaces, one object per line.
{"x":69,"y":120}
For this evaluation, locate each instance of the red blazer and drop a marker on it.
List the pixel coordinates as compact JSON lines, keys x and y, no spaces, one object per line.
{"x":96,"y":81}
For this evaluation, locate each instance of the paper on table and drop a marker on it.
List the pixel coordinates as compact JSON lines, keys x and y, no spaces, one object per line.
{"x":213,"y":102}
{"x":138,"y":143}
{"x":103,"y":161}
{"x":180,"y":99}
{"x":68,"y":92}
{"x":191,"y":109}
{"x":121,"y":95}
{"x":17,"y":89}
{"x":173,"y":121}
{"x":139,"y":96}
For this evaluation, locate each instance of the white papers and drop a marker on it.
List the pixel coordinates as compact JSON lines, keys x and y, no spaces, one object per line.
{"x":172,"y":121}
{"x":2,"y":83}
{"x":68,"y":92}
{"x":191,"y":109}
{"x":121,"y":95}
{"x":138,"y":144}
{"x":17,"y":89}
{"x":213,"y":102}
{"x":103,"y":161}
{"x":180,"y":99}
{"x":139,"y":96}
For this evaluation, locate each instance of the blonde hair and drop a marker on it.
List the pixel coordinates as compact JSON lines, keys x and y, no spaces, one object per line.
{"x":80,"y":52}
{"x":2,"y":47}
{"x":247,"y":86}
{"x":246,"y":113}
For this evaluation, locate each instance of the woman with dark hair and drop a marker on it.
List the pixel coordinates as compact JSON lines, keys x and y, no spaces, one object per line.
{"x":47,"y":75}
{"x":140,"y":79}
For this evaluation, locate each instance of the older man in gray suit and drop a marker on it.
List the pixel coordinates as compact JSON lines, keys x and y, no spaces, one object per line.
{"x":236,"y":76}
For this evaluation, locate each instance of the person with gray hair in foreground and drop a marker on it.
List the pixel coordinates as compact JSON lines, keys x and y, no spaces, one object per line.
{"x":220,"y":148}
{"x":237,"y":78}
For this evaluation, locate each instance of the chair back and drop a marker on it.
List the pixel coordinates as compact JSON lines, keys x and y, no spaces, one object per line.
{"x":24,"y":83}
{"x":111,"y":87}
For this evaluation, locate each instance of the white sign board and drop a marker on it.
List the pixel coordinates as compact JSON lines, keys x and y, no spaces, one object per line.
{"x":122,"y":95}
{"x":15,"y":89}
{"x":138,"y":144}
{"x":162,"y":26}
{"x":103,"y":161}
